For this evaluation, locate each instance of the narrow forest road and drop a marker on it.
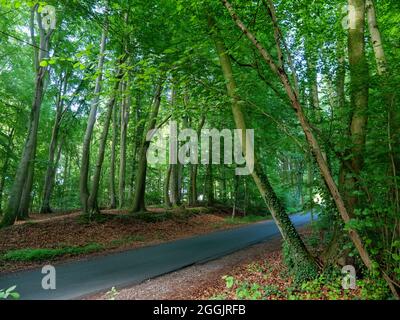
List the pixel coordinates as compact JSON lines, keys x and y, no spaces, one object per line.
{"x":79,"y":278}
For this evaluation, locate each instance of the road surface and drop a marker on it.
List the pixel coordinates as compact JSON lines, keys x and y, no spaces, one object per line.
{"x":79,"y":278}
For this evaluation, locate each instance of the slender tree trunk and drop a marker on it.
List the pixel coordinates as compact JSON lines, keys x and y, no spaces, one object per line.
{"x":136,"y":143}
{"x":26,"y":197}
{"x":174,"y":185}
{"x":194,"y":169}
{"x":390,"y":100}
{"x":85,"y":161}
{"x":29,"y":149}
{"x":125,"y":110}
{"x":359,"y":79}
{"x":113,"y":197}
{"x":303,"y":259}
{"x":5,"y":167}
{"x":167,"y":200}
{"x":312,"y":141}
{"x":65,"y":175}
{"x":47,"y":189}
{"x":93,"y":198}
{"x":140,"y":185}
{"x":209,"y":181}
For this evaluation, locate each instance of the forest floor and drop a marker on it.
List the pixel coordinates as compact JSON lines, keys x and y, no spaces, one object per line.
{"x":64,"y":237}
{"x":257,"y":272}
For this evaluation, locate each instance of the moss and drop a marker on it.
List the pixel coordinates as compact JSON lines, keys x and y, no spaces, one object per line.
{"x":302,"y":268}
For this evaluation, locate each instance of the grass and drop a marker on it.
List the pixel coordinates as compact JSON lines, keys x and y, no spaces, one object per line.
{"x":29,"y":254}
{"x":246,"y":219}
{"x":127,"y":240}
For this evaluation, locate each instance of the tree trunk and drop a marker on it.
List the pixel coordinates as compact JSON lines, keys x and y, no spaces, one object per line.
{"x":209,"y":181}
{"x":359,"y":79}
{"x":93,"y":207}
{"x":313,"y":143}
{"x":136,"y":144}
{"x":26,"y":197}
{"x":6,"y":164}
{"x":140,"y":185}
{"x":193,"y":171}
{"x":390,"y":99}
{"x":174,"y":185}
{"x":306,"y":265}
{"x":125,"y":110}
{"x":51,"y":168}
{"x":14,"y":201}
{"x":113,"y":197}
{"x":167,"y":200}
{"x":85,"y":161}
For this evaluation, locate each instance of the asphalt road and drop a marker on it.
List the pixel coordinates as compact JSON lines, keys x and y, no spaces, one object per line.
{"x":79,"y":278}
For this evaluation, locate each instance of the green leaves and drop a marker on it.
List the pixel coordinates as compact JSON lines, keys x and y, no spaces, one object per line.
{"x":230,"y":281}
{"x":9,"y":293}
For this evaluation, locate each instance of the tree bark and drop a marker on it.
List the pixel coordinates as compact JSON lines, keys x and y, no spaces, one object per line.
{"x":209,"y":181}
{"x":14,"y":201}
{"x":140,"y":185}
{"x":193,"y":170}
{"x":125,"y":110}
{"x":312,"y":141}
{"x":93,"y":207}
{"x":85,"y":161}
{"x":359,"y":79}
{"x":305,"y":262}
{"x":26,"y":199}
{"x":113,"y":197}
{"x":167,"y":200}
{"x":390,"y":99}
{"x":51,"y":168}
{"x":6,"y":165}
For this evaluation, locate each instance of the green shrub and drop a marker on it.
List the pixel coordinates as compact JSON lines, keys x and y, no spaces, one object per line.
{"x":374,"y":288}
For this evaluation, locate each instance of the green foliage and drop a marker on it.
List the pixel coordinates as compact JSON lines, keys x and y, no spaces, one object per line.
{"x":246,"y":219}
{"x":301,"y":270}
{"x":247,"y":291}
{"x":229,"y":280}
{"x":9,"y":293}
{"x":48,"y":254}
{"x":374,"y":288}
{"x":112,"y":294}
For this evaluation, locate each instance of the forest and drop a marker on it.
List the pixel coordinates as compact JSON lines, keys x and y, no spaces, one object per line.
{"x":90,"y":89}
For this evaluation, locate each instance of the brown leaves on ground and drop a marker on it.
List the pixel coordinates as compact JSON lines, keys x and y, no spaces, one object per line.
{"x":114,"y":232}
{"x":268,"y":278}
